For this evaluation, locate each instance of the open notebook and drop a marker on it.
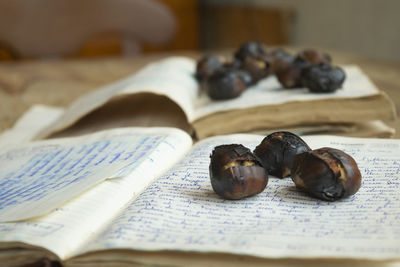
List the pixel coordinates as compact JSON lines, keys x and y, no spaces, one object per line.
{"x":151,"y":202}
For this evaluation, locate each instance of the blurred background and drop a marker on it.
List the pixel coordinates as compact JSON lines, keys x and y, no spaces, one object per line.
{"x":101,"y":28}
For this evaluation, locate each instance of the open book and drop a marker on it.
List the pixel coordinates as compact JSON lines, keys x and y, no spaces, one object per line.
{"x":166,"y":93}
{"x":144,"y":197}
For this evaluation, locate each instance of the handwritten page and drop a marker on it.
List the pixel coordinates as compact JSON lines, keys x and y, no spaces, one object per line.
{"x":39,"y":177}
{"x":181,"y":212}
{"x":82,"y":216}
{"x":172,"y":77}
{"x":270,"y":92}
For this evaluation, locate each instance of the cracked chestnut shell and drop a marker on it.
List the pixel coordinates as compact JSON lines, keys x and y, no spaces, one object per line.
{"x":235,"y":172}
{"x":258,"y":68}
{"x":326,"y":173}
{"x":254,"y":60}
{"x":276,"y":152}
{"x":225,"y":84}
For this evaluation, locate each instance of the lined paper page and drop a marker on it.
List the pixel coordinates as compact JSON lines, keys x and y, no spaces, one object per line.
{"x":181,"y":212}
{"x":37,"y":178}
{"x":63,"y":230}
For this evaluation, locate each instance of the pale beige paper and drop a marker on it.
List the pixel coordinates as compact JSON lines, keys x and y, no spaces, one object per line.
{"x":171,"y":77}
{"x":30,"y":123}
{"x":65,"y":229}
{"x":270,"y":92}
{"x":174,"y":78}
{"x":181,"y":212}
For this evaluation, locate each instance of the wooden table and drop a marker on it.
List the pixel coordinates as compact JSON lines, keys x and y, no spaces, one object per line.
{"x":58,"y":83}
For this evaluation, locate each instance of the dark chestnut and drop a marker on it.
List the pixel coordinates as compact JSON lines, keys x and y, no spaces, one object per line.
{"x":291,"y":76}
{"x":235,"y":172}
{"x":225,"y":84}
{"x":323,"y":78}
{"x":314,"y":57}
{"x":276,"y":152}
{"x":250,"y":50}
{"x":326,"y":173}
{"x":279,"y":60}
{"x":258,"y":68}
{"x":206,"y":66}
{"x":236,"y":66}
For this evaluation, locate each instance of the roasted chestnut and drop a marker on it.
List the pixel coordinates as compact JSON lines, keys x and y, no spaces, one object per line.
{"x":276,"y":152}
{"x":326,"y":173}
{"x":225,"y":84}
{"x":254,"y":60}
{"x":323,"y":78}
{"x":279,"y":60}
{"x":314,"y":57}
{"x":235,"y":172}
{"x":250,"y":50}
{"x":291,"y":76}
{"x":206,"y":66}
{"x":258,"y":68}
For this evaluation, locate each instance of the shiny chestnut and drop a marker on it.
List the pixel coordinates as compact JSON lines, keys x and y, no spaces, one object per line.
{"x":225,"y":83}
{"x":323,"y":78}
{"x":235,"y":172}
{"x":250,"y":50}
{"x":326,"y":173}
{"x":291,"y":75}
{"x":206,"y":66}
{"x":276,"y":152}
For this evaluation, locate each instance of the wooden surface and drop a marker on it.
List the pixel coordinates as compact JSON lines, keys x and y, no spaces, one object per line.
{"x":231,"y":25}
{"x":58,"y":83}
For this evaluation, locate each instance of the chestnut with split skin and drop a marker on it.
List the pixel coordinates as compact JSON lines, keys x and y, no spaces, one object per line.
{"x":235,"y":173}
{"x":326,"y":173}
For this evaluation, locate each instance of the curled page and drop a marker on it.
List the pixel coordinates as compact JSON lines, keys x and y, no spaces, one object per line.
{"x":171,"y":77}
{"x":39,"y":177}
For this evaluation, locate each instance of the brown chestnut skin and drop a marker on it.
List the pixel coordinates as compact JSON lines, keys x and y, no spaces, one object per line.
{"x":326,"y":173}
{"x":250,"y":50}
{"x":276,"y":152}
{"x":235,"y":173}
{"x":206,"y":66}
{"x":279,"y":60}
{"x":258,"y":68}
{"x":225,"y":84}
{"x":314,"y":57}
{"x":290,"y":77}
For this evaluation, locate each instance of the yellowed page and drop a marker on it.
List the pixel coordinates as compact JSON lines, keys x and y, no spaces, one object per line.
{"x":181,"y":212}
{"x":171,"y":77}
{"x":63,"y":230}
{"x":270,"y":92}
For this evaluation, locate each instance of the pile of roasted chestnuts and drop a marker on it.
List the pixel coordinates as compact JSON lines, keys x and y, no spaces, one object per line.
{"x":312,"y":69}
{"x":325,"y":173}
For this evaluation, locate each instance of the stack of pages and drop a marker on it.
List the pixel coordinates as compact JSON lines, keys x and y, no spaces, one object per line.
{"x":166,"y":93}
